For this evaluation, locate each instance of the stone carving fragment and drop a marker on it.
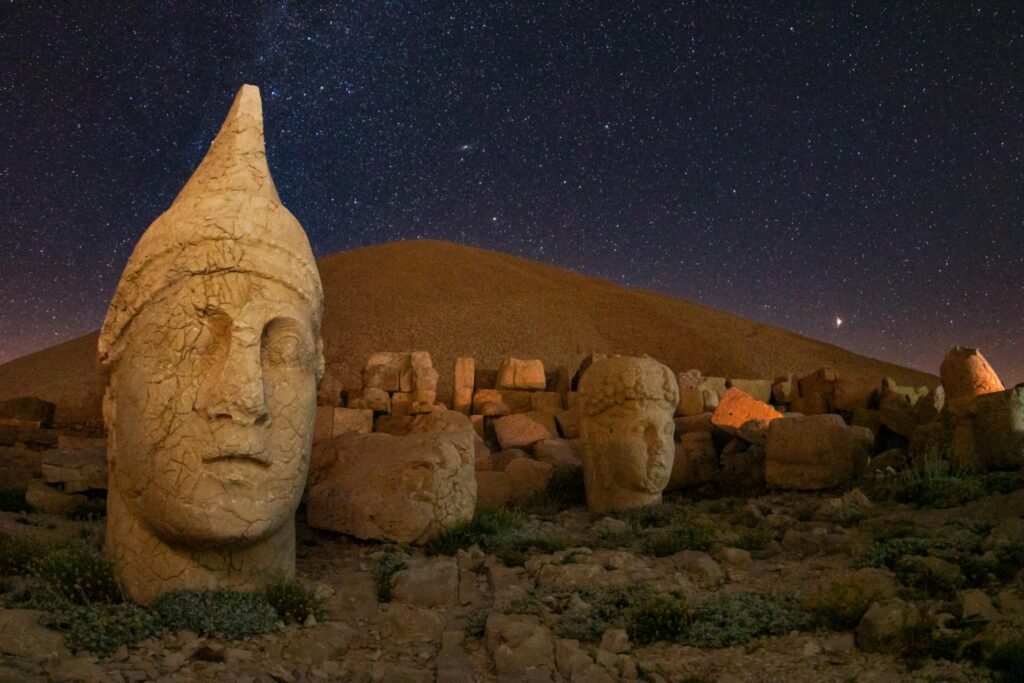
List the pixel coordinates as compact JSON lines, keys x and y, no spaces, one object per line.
{"x":627,"y":405}
{"x":211,"y":354}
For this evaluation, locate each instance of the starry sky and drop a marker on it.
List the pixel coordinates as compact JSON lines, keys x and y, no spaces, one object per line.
{"x":792,"y":163}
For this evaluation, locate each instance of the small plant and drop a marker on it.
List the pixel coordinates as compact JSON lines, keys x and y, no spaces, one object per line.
{"x":683,"y":534}
{"x":660,"y":515}
{"x":840,"y":604}
{"x":293,"y":600}
{"x":485,"y":527}
{"x":17,"y":553}
{"x":228,"y":614}
{"x":887,"y":552}
{"x":476,"y":622}
{"x":847,"y":515}
{"x":930,"y":576}
{"x":390,"y":562}
{"x":753,"y":539}
{"x":934,"y":484}
{"x":79,"y":575}
{"x":1007,"y":658}
{"x":100,"y":628}
{"x":658,"y":620}
{"x":732,"y":619}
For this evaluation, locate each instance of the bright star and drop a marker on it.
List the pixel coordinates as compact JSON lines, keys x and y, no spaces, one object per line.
{"x":839,"y":322}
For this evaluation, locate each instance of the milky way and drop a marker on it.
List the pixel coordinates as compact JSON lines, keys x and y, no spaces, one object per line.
{"x":862,"y":161}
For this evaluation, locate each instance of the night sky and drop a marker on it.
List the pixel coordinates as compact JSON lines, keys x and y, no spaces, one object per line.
{"x":792,"y":165}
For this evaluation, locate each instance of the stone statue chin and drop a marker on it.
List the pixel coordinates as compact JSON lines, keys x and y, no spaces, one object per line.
{"x":211,"y":355}
{"x":628,"y":432}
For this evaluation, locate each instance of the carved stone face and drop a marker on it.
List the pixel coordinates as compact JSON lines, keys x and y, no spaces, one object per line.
{"x":212,"y":405}
{"x":634,"y":442}
{"x":628,"y":431}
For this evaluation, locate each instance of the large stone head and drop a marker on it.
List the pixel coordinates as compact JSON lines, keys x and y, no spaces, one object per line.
{"x":211,"y":354}
{"x":627,"y":406}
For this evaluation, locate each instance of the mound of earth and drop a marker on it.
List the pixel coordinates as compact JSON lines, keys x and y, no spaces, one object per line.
{"x":453,"y":300}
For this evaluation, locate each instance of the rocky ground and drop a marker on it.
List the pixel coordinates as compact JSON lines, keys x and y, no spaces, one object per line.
{"x":793,"y":587}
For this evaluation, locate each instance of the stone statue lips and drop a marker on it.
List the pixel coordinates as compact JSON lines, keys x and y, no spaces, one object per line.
{"x":239,"y":446}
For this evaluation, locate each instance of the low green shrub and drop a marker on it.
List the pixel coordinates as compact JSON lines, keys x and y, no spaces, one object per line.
{"x":78,"y":574}
{"x":390,"y":562}
{"x":101,"y":628}
{"x":293,"y":600}
{"x":1003,"y":482}
{"x":486,"y":527}
{"x":17,"y":553}
{"x":942,"y":492}
{"x":839,"y":604}
{"x":227,"y":614}
{"x":930,"y":576}
{"x":649,"y":516}
{"x":1007,"y":659}
{"x":847,"y":515}
{"x":887,"y":552}
{"x":683,"y":534}
{"x":659,"y":620}
{"x":731,"y":619}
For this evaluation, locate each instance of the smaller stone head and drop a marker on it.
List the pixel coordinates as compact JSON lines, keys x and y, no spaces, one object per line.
{"x":627,"y":406}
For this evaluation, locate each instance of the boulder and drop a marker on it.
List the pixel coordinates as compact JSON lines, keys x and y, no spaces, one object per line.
{"x":521,"y":374}
{"x":816,"y":392}
{"x":76,"y":471}
{"x":758,"y":389}
{"x":715,"y":385}
{"x":516,"y":401}
{"x":965,"y":372}
{"x":783,"y":389}
{"x":401,"y":403}
{"x":694,"y":423}
{"x":524,"y":430}
{"x":559,"y":454}
{"x":521,"y":646}
{"x":432,"y":582}
{"x":527,"y":479}
{"x":854,"y":393}
{"x":741,"y":471}
{"x":396,"y":488}
{"x":813,"y":452}
{"x":372,"y":398}
{"x":18,"y":467}
{"x":345,"y":420}
{"x":385,"y":370}
{"x":8,"y":435}
{"x":549,"y":402}
{"x":896,"y":408}
{"x":988,"y":430}
{"x":45,"y":498}
{"x":883,"y":626}
{"x":738,"y":408}
{"x":465,"y":380}
{"x":28,"y":412}
{"x":695,"y":462}
{"x":691,"y":395}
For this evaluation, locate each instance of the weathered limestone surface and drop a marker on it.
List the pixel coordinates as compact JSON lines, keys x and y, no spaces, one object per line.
{"x":524,"y":429}
{"x":738,"y":408}
{"x":988,"y":430}
{"x":19,"y":466}
{"x":75,"y":470}
{"x":465,"y":378}
{"x":758,"y":389}
{"x":965,"y":372}
{"x":814,"y":452}
{"x":627,"y":405}
{"x":211,"y":354}
{"x":27,"y":411}
{"x":396,"y":488}
{"x":521,"y":374}
{"x":695,"y":461}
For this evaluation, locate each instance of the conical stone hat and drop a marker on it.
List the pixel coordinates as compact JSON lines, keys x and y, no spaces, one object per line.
{"x":227,"y":218}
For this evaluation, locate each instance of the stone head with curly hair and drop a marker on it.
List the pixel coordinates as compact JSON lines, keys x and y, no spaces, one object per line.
{"x":627,"y":405}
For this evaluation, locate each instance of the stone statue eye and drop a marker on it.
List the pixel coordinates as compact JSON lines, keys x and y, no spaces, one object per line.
{"x":284,"y":344}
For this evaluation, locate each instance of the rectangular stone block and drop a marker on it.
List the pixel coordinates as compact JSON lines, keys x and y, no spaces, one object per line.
{"x":76,"y":471}
{"x":352,"y":420}
{"x":691,"y":401}
{"x":465,"y":378}
{"x":515,"y":373}
{"x":569,"y":423}
{"x":760,"y":389}
{"x":323,"y":424}
{"x":546,"y":402}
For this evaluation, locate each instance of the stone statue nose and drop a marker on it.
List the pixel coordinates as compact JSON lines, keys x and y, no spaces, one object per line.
{"x":235,"y":391}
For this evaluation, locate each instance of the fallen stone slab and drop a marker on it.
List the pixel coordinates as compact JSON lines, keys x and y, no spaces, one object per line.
{"x":814,"y":452}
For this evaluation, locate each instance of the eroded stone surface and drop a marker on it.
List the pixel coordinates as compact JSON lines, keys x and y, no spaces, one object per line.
{"x":396,"y":488}
{"x":627,"y":405}
{"x":965,"y":372}
{"x":211,"y":355}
